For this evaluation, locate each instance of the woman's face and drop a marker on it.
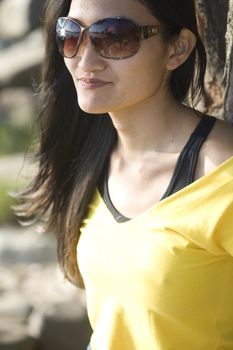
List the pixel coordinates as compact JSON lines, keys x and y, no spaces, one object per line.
{"x":108,"y":85}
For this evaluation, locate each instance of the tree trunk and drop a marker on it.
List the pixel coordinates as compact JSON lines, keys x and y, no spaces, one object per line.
{"x":216,"y":26}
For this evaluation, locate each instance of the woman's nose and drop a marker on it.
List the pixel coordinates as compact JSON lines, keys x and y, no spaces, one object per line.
{"x":88,"y":59}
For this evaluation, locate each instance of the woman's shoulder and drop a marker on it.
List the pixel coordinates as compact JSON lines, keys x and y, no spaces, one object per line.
{"x":217,"y":149}
{"x":221,"y":142}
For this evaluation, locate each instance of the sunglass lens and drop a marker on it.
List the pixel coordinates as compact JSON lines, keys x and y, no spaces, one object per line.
{"x":68,"y":36}
{"x":115,"y":38}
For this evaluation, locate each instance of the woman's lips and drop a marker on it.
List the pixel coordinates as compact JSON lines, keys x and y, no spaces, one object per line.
{"x":92,"y":83}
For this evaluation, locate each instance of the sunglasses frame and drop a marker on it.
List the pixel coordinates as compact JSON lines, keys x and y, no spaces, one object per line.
{"x":145,"y":32}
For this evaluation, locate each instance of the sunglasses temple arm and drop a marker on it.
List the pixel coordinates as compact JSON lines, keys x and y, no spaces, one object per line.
{"x":149,"y":31}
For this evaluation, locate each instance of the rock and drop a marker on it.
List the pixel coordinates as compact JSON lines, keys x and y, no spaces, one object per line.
{"x":14,"y":307}
{"x":14,"y":18}
{"x":21,"y":61}
{"x":24,"y":15}
{"x":14,"y":312}
{"x":17,"y":109}
{"x":13,"y":336}
{"x":26,"y":247}
{"x":21,"y":42}
{"x":65,"y":327}
{"x":38,"y":308}
{"x":35,"y":324}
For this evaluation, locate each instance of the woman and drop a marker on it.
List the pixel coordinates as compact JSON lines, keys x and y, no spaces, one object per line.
{"x":134,"y":178}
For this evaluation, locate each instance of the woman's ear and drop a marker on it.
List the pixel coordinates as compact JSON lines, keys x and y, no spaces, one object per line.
{"x":180,"y":49}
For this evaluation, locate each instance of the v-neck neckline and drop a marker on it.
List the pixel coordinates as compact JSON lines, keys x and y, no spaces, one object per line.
{"x":165,"y":201}
{"x":179,"y":178}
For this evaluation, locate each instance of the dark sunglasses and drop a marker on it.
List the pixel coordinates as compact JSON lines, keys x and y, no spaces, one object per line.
{"x":116,"y":37}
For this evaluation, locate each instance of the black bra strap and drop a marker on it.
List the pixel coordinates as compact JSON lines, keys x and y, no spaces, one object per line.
{"x":186,"y":164}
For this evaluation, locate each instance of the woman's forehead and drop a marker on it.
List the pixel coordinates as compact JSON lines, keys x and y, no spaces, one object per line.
{"x":88,"y":4}
{"x":89,"y":11}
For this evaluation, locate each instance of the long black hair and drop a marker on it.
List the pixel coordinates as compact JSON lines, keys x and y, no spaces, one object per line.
{"x":74,"y":145}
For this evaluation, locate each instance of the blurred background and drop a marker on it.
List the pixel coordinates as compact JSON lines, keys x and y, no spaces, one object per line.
{"x":39,"y":310}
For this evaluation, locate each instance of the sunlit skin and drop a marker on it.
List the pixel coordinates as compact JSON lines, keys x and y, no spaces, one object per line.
{"x":152,"y":126}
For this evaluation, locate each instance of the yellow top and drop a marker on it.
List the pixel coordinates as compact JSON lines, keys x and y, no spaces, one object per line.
{"x":163,"y":280}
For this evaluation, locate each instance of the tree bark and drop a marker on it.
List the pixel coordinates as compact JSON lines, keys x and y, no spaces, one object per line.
{"x":228,"y":105}
{"x":216,"y":26}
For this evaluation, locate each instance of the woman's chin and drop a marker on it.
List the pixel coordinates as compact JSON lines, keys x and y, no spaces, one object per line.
{"x":92,"y":108}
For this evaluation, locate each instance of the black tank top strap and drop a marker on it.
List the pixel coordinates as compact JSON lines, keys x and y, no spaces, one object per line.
{"x":184,"y":171}
{"x":186,"y":164}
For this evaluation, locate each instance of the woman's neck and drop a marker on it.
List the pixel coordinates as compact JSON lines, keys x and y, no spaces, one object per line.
{"x":152,"y":127}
